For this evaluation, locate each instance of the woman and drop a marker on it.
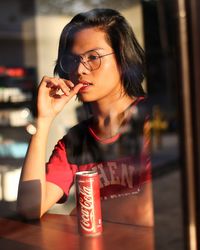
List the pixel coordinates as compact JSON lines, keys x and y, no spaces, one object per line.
{"x":100,"y":61}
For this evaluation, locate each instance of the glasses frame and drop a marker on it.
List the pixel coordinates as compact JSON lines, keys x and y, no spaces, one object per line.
{"x":84,"y":62}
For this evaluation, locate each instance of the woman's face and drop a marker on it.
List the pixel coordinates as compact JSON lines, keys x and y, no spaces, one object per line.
{"x":103,"y":82}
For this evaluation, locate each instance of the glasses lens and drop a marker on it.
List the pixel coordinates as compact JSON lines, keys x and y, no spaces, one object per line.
{"x":69,"y":63}
{"x":92,"y":60}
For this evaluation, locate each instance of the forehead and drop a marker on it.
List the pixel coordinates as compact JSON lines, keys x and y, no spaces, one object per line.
{"x":88,"y":39}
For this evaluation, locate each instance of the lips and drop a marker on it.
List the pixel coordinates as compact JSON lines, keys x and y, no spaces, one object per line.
{"x":85,"y":83}
{"x":86,"y":86}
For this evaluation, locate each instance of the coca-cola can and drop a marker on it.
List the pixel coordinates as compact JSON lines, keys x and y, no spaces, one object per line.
{"x":88,"y":203}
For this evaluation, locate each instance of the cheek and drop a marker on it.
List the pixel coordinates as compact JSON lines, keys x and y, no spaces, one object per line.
{"x":111,"y":71}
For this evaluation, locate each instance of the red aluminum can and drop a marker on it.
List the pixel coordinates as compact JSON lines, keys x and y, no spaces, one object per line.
{"x":88,"y":203}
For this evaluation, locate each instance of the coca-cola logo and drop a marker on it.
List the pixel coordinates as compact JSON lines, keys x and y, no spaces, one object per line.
{"x":86,"y":208}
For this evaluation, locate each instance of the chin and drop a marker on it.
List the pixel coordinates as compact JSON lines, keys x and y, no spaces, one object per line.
{"x":85,"y":99}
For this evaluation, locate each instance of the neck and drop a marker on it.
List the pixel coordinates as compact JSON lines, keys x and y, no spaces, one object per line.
{"x":109,"y":116}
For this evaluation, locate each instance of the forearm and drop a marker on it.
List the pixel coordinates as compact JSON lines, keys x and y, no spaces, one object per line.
{"x":32,"y":187}
{"x":35,"y":195}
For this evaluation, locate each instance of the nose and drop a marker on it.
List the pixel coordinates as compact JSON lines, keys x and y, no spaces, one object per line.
{"x":82,"y":69}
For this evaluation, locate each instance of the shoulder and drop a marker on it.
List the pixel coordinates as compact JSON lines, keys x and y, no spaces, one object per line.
{"x":81,"y":127}
{"x":76,"y":141}
{"x":77,"y":132}
{"x":142,"y":108}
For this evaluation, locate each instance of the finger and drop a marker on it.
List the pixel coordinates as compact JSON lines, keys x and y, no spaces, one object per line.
{"x":68,"y":82}
{"x":76,"y":89}
{"x":73,"y":92}
{"x":59,"y":84}
{"x":64,"y":97}
{"x":51,"y":83}
{"x":55,"y":92}
{"x":65,"y":86}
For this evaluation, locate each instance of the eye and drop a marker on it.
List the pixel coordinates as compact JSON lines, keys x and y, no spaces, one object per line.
{"x":76,"y":59}
{"x":92,"y":57}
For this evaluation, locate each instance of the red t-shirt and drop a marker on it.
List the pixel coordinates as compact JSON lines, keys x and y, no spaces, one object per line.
{"x":123,"y":161}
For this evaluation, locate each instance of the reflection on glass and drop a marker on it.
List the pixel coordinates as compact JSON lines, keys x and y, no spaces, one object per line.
{"x":114,"y":140}
{"x":124,"y":166}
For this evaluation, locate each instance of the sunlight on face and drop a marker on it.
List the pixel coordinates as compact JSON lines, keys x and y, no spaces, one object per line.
{"x":103,"y":82}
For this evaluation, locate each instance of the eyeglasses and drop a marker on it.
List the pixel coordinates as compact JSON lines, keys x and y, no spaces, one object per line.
{"x":91,"y":60}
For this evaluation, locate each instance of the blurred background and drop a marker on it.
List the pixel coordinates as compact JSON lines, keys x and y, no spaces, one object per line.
{"x":170,"y":34}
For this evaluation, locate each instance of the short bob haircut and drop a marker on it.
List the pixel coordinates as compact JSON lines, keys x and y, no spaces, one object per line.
{"x":120,"y":36}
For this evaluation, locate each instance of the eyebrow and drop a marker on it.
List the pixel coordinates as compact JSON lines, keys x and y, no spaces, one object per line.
{"x":94,"y":49}
{"x":88,"y":51}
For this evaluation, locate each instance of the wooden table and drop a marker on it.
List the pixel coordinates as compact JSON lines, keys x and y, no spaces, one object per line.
{"x":59,"y":232}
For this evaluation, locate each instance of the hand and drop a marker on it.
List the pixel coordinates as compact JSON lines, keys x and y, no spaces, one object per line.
{"x":53,"y":94}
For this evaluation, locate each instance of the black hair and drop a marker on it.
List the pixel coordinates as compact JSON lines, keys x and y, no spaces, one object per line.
{"x":120,"y":36}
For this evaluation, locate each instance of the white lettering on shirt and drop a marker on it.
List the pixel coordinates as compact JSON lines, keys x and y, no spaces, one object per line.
{"x":114,"y":179}
{"x":115,"y":173}
{"x":127,"y":175}
{"x":102,"y":176}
